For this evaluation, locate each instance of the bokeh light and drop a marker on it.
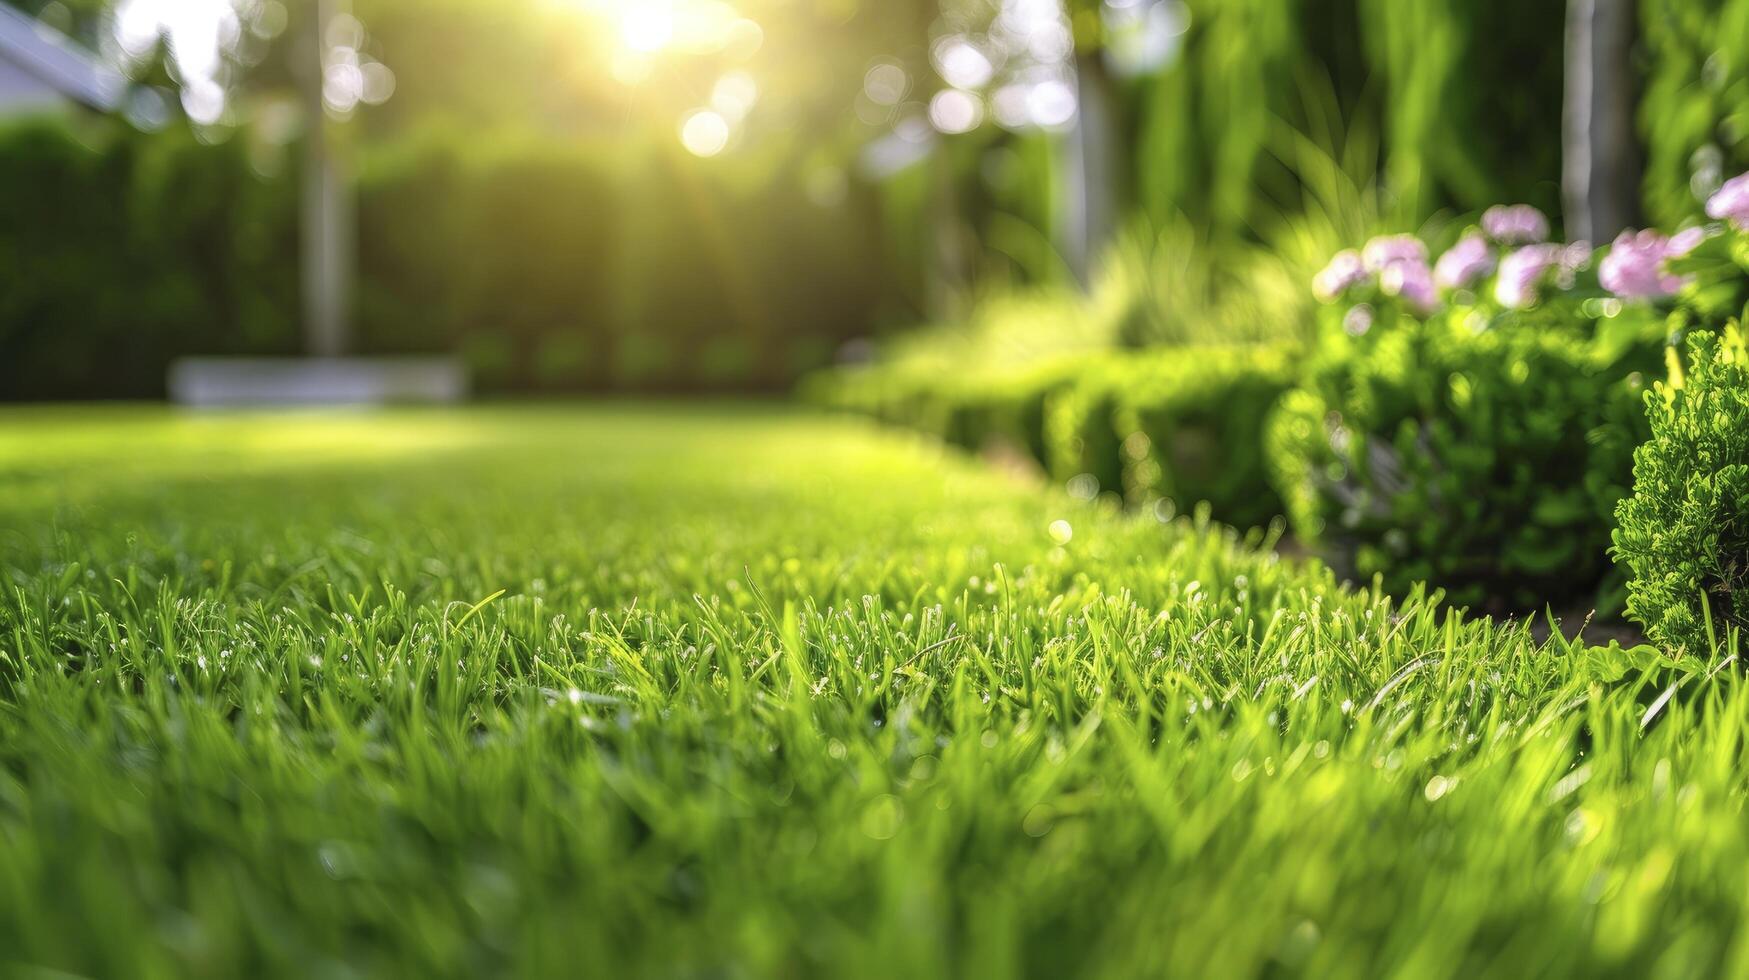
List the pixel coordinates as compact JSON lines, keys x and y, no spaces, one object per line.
{"x":647,"y":27}
{"x":704,"y":133}
{"x":197,"y":33}
{"x":886,"y":84}
{"x":734,"y":95}
{"x":955,"y":111}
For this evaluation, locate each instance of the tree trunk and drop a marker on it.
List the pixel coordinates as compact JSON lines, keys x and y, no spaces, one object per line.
{"x":1600,"y":168}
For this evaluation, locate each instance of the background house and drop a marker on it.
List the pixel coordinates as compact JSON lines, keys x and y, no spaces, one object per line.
{"x":40,"y":69}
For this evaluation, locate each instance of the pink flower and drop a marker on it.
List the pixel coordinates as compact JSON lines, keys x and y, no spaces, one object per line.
{"x":1685,"y":241}
{"x":1516,"y":224}
{"x":1345,"y":271}
{"x":1387,"y":250}
{"x":1413,"y":283}
{"x":1570,"y":260}
{"x":1634,"y":267}
{"x":1522,"y":271}
{"x":1464,"y":263}
{"x":1731,"y":202}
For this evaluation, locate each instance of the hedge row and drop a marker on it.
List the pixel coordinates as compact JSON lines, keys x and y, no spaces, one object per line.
{"x":1181,"y":425}
{"x":1473,"y":426}
{"x":1488,"y":463}
{"x":1482,"y":423}
{"x":537,"y":261}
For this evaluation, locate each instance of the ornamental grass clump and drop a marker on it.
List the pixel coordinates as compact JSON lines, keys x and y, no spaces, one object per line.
{"x":1683,"y":535}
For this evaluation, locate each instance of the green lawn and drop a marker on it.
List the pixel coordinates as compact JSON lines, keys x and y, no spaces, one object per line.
{"x":728,"y":691}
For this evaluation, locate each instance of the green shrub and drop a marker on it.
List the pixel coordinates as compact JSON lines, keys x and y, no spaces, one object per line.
{"x":123,"y":250}
{"x":1692,"y":111}
{"x":517,"y":243}
{"x":977,"y":410}
{"x":1684,"y":533}
{"x":1183,"y":424}
{"x":1193,"y":424}
{"x":1486,"y":463}
{"x":1082,"y":442}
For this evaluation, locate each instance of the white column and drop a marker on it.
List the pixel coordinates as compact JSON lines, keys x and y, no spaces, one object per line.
{"x":327,"y":205}
{"x":1600,"y":171}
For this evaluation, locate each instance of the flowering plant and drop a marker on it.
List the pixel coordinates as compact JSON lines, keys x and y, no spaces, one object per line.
{"x":1506,"y":264}
{"x":1471,"y":421}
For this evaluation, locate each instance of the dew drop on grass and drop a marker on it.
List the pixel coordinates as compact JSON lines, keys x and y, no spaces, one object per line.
{"x":1039,"y":820}
{"x":1061,"y":531}
{"x":882,"y":817}
{"x":1437,"y":787}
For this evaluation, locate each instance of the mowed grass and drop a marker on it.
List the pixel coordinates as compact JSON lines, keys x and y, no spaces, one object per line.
{"x":728,"y":691}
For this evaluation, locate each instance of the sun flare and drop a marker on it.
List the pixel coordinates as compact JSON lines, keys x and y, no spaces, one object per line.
{"x":688,"y":27}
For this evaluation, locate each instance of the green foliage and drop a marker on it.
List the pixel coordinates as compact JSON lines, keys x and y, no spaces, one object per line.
{"x":1208,"y":119}
{"x":1692,"y":112}
{"x":1484,"y":462}
{"x":1471,"y":90}
{"x":729,"y":691}
{"x":1180,"y":424}
{"x":1463,"y":91}
{"x":122,"y":250}
{"x":129,"y":250}
{"x":975,"y":410}
{"x":1193,"y":423}
{"x":1167,"y":285}
{"x":1684,"y":533}
{"x":1171,"y":429}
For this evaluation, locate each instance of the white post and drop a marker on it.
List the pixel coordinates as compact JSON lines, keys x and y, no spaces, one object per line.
{"x":1087,"y":171}
{"x":1600,"y":156}
{"x":327,"y":211}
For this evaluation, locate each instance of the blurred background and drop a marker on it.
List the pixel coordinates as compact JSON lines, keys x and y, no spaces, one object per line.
{"x":701,"y":196}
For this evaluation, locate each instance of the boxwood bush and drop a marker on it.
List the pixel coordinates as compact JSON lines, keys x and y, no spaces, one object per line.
{"x":1083,"y":444}
{"x":974,"y":410}
{"x":1684,"y":533}
{"x":1487,"y":463}
{"x":1183,"y":425}
{"x":1193,"y":426}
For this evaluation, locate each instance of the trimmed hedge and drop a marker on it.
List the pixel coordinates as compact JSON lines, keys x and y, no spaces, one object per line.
{"x":532,"y":259}
{"x":1684,"y":533}
{"x":1083,"y":438}
{"x":123,"y":250}
{"x":1486,"y":463}
{"x":974,"y":411}
{"x":1194,"y":422}
{"x":1182,"y":424}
